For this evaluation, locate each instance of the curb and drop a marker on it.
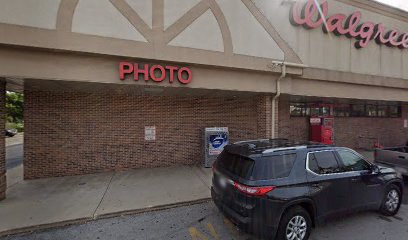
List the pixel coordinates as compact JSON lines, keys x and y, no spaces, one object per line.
{"x":151,"y":209}
{"x":14,"y":144}
{"x":48,"y":226}
{"x":44,"y":226}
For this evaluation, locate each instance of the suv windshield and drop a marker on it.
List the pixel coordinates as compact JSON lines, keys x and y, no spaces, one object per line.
{"x":235,"y":164}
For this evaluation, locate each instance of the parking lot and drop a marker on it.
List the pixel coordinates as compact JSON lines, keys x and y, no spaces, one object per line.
{"x":204,"y":222}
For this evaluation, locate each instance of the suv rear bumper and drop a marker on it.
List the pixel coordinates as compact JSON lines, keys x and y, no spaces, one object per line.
{"x":253,"y":224}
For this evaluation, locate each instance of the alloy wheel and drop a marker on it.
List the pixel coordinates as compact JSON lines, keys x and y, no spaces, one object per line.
{"x":392,"y":200}
{"x":296,"y":228}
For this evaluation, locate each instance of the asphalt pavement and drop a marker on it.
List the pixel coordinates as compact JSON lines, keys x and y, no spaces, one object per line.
{"x":14,"y":156}
{"x":205,"y":222}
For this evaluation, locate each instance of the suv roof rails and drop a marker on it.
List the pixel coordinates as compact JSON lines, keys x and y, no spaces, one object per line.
{"x":283,"y":149}
{"x":275,"y":145}
{"x":250,"y":141}
{"x":319,"y":146}
{"x":261,"y":140}
{"x":294,"y":148}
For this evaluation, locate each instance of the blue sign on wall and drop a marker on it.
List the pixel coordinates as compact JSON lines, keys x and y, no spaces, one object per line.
{"x":216,"y":143}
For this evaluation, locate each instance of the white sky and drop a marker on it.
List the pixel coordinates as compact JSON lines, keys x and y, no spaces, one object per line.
{"x":403,"y":4}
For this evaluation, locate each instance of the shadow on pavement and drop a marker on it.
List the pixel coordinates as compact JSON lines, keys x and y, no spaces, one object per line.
{"x":14,"y":155}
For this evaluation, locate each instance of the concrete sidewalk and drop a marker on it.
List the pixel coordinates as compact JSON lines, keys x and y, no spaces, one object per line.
{"x":57,"y":201}
{"x":17,"y":139}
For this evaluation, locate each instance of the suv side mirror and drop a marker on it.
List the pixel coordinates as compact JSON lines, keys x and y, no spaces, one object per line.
{"x":375,"y":169}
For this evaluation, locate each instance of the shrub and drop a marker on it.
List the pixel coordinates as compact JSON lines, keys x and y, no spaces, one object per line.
{"x":18,"y":126}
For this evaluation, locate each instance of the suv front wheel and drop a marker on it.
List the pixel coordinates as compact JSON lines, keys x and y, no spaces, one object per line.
{"x":392,"y":201}
{"x":295,"y":224}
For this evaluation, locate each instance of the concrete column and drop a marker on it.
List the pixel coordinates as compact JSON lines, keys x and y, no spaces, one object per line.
{"x":3,"y":183}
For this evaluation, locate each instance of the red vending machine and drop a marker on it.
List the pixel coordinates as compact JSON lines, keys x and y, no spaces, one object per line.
{"x":322,"y":124}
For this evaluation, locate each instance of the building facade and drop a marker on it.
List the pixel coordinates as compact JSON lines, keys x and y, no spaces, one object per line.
{"x":97,"y":73}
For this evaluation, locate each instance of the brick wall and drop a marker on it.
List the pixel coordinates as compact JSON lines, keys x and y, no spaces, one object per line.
{"x":264,"y":117}
{"x":292,"y":128}
{"x":363,"y":132}
{"x":350,"y":132}
{"x":3,"y":182}
{"x":70,"y":133}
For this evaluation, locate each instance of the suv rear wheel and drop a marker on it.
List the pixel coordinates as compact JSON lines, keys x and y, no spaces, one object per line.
{"x":392,"y":201}
{"x":295,"y":224}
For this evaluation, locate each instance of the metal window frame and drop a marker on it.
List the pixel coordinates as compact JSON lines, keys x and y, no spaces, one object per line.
{"x":357,"y":154}
{"x":333,"y":150}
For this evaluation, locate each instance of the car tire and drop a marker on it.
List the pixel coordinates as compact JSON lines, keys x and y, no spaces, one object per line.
{"x":288,"y":226}
{"x":392,"y":201}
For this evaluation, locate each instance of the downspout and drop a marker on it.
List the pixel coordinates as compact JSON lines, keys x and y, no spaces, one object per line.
{"x":283,"y":65}
{"x":275,"y":98}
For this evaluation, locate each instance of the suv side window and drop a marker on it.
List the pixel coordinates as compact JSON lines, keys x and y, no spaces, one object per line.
{"x":272,"y":167}
{"x":313,"y":164}
{"x":352,"y":162}
{"x":323,"y":162}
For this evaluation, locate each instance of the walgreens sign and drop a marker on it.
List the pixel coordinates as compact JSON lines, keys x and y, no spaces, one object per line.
{"x":311,"y":15}
{"x":156,"y":73}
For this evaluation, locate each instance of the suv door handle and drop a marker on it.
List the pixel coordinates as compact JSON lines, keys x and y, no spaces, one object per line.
{"x":401,"y":157}
{"x":316,"y":185}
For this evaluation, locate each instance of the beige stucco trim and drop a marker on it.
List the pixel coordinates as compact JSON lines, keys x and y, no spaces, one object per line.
{"x":133,"y":18}
{"x":290,"y":54}
{"x":60,"y":66}
{"x":354,"y":78}
{"x":67,"y":8}
{"x":175,"y":29}
{"x":65,"y":14}
{"x":198,"y":10}
{"x":23,"y":63}
{"x":157,"y":50}
{"x":80,"y":42}
{"x":318,"y":88}
{"x":181,"y":24}
{"x":158,"y":21}
{"x":15,"y":35}
{"x":157,"y":37}
{"x":222,"y":22}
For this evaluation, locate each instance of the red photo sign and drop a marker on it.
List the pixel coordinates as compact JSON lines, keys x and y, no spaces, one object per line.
{"x":311,"y":15}
{"x":156,"y":73}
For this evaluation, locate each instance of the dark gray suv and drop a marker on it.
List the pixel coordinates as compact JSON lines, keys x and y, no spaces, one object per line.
{"x":280,"y":189}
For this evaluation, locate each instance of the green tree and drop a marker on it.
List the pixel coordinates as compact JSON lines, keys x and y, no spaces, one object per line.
{"x":14,"y":107}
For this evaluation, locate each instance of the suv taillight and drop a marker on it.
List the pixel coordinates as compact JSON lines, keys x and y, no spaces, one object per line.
{"x":254,"y":191}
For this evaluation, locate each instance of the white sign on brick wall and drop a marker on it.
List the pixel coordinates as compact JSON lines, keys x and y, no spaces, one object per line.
{"x":406,"y":123}
{"x":150,"y":133}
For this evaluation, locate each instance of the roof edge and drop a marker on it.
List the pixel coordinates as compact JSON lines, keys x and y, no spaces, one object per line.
{"x":381,"y":8}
